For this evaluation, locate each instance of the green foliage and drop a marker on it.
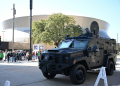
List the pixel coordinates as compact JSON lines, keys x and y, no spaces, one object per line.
{"x":54,"y":29}
{"x":118,"y":48}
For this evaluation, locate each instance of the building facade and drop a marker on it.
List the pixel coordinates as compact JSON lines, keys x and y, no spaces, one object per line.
{"x":22,"y":26}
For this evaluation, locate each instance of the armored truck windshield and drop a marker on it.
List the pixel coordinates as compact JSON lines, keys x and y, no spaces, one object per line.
{"x":65,"y":44}
{"x":79,"y":44}
{"x":73,"y":44}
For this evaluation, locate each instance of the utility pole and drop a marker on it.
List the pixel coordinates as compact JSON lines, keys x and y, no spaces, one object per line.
{"x":30,"y":28}
{"x":14,"y":12}
{"x":3,"y":35}
{"x":117,"y":40}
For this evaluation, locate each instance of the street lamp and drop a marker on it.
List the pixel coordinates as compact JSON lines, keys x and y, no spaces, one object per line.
{"x":117,"y":40}
{"x":14,"y":12}
{"x":30,"y":28}
{"x":3,"y":35}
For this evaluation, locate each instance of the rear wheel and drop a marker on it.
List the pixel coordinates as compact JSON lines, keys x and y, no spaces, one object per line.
{"x":49,"y":75}
{"x":78,"y":74}
{"x":110,"y":68}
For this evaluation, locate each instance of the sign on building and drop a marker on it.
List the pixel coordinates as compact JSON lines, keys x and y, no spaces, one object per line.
{"x":41,"y":47}
{"x":35,"y":47}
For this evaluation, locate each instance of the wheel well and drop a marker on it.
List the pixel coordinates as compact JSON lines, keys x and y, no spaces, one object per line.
{"x":83,"y":62}
{"x":111,"y":59}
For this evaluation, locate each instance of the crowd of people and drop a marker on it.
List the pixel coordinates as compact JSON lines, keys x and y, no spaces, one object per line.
{"x":18,"y":55}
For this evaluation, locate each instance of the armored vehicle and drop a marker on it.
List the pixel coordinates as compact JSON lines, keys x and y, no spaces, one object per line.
{"x":75,"y":55}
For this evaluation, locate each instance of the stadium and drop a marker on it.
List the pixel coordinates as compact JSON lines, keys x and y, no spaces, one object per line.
{"x":22,"y":27}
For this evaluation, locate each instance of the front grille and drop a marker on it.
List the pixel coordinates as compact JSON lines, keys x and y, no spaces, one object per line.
{"x":50,"y":57}
{"x":57,"y":60}
{"x":53,"y":66}
{"x":42,"y":57}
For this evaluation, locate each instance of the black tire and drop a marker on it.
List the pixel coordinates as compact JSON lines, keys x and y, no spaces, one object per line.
{"x":110,"y":68}
{"x":49,"y":75}
{"x":78,"y":74}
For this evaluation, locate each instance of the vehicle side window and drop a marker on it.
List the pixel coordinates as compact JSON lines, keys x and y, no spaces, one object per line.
{"x":101,"y":46}
{"x":72,"y":45}
{"x":91,"y":45}
{"x":107,"y":43}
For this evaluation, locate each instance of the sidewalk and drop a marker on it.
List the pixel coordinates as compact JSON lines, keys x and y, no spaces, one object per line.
{"x":21,"y":63}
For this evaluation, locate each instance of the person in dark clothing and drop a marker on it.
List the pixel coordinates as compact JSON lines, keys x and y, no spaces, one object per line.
{"x":11,"y":56}
{"x":87,"y":32}
{"x":20,"y":56}
{"x":14,"y":55}
{"x":17,"y":55}
{"x":24,"y":55}
{"x":8,"y":56}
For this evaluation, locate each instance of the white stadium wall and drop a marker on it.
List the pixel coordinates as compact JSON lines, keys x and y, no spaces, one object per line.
{"x":22,"y":26}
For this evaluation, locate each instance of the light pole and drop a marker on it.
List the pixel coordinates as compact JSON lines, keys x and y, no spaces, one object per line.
{"x":3,"y":35}
{"x":14,"y":12}
{"x":117,"y":40}
{"x":30,"y":28}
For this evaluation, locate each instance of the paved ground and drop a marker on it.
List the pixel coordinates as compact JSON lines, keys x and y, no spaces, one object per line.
{"x":28,"y":74}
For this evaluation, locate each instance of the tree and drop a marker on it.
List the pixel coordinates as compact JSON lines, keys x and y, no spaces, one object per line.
{"x":57,"y":26}
{"x":37,"y":29}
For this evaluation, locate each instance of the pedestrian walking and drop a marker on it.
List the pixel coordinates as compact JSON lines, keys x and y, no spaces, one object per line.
{"x":33,"y":55}
{"x":36,"y":55}
{"x":27,"y":55}
{"x":24,"y":55}
{"x":1,"y":55}
{"x":11,"y":55}
{"x":17,"y":55}
{"x":20,"y":56}
{"x":4,"y":56}
{"x":8,"y":56}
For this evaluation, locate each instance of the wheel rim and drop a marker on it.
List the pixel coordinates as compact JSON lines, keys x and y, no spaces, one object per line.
{"x":79,"y":74}
{"x":111,"y":67}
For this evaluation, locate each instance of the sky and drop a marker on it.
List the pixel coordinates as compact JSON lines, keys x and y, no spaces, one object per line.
{"x":107,"y":10}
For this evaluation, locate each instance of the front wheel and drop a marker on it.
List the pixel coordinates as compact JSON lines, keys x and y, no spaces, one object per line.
{"x":110,"y":68}
{"x":49,"y":75}
{"x":78,"y":74}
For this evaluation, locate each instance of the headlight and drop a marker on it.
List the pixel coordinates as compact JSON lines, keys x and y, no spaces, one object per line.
{"x":66,"y":58}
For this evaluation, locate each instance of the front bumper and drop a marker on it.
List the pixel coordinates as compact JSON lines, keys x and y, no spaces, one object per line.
{"x":51,"y":67}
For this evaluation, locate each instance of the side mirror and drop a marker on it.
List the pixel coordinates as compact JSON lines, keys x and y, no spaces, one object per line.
{"x":95,"y":48}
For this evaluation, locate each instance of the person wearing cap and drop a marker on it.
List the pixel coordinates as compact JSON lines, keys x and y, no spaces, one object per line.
{"x":87,"y":32}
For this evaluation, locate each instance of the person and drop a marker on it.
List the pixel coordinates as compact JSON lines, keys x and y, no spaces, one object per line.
{"x":27,"y":55}
{"x":17,"y":55}
{"x":33,"y":55}
{"x":24,"y":55}
{"x":4,"y":56}
{"x":13,"y":57}
{"x":1,"y":55}
{"x":38,"y":54}
{"x":8,"y":56}
{"x":20,"y":56}
{"x":87,"y":32}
